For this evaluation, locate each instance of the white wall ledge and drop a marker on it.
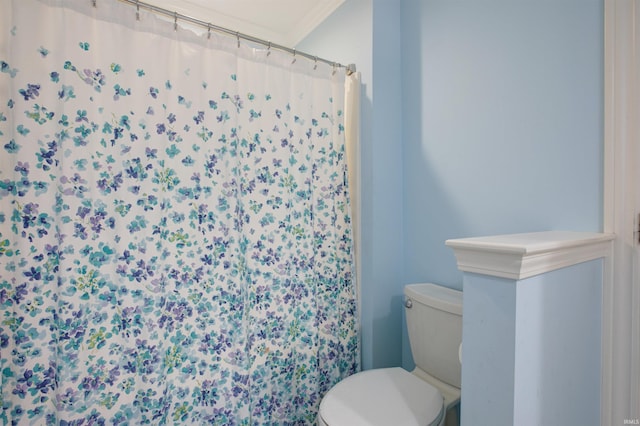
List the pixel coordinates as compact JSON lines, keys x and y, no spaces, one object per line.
{"x":520,"y":256}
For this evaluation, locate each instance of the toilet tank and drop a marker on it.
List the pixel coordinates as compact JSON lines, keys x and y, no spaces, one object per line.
{"x":434,"y":322}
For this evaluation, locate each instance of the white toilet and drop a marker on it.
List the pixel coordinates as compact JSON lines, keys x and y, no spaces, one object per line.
{"x":395,"y":397}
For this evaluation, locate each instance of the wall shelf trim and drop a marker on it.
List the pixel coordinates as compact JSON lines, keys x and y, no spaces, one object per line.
{"x":520,"y":256}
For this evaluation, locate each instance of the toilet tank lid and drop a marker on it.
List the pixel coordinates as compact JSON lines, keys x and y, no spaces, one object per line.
{"x":439,"y":297}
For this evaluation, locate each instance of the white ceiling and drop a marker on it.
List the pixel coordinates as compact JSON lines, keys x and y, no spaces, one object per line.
{"x":284,"y":22}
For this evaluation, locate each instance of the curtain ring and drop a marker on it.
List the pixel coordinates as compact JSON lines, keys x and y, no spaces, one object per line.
{"x":334,"y":69}
{"x":294,"y":56}
{"x":175,"y":21}
{"x":137,"y":10}
{"x":208,"y":31}
{"x":95,"y":3}
{"x":315,"y":65}
{"x":269,"y":49}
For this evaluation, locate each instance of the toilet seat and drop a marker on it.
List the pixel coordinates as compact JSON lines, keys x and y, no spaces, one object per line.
{"x":386,"y":396}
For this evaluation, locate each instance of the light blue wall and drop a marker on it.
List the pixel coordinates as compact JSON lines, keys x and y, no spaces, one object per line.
{"x":489,"y":302}
{"x":531,"y":353}
{"x":366,"y":32}
{"x":479,"y":118}
{"x":558,"y":347}
{"x":504,"y":122}
{"x":503,"y":118}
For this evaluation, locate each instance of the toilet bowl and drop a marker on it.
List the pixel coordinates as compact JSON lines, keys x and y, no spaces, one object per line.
{"x":394,"y":396}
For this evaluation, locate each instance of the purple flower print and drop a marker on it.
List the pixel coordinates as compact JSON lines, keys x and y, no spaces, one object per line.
{"x":94,"y":78}
{"x":31,"y":92}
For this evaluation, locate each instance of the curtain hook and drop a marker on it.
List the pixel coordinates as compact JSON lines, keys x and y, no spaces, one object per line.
{"x":175,"y":21}
{"x":334,"y":69}
{"x":238,"y":38}
{"x":315,"y":65}
{"x":137,"y":10}
{"x":269,"y":49}
{"x":294,"y":56}
{"x":95,"y":3}
{"x":208,"y":31}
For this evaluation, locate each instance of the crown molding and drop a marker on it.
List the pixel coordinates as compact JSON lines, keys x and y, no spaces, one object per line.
{"x":520,"y":256}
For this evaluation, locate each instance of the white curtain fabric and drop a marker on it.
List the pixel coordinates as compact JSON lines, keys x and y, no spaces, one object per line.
{"x":176,"y":239}
{"x":352,"y":143}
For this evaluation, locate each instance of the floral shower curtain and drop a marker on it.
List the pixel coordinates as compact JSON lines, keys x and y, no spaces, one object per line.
{"x":175,"y":227}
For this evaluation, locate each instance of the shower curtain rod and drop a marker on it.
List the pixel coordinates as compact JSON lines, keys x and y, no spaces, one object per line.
{"x":351,"y":68}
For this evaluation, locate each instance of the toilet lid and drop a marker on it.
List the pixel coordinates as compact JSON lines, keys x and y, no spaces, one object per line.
{"x":386,"y":396}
